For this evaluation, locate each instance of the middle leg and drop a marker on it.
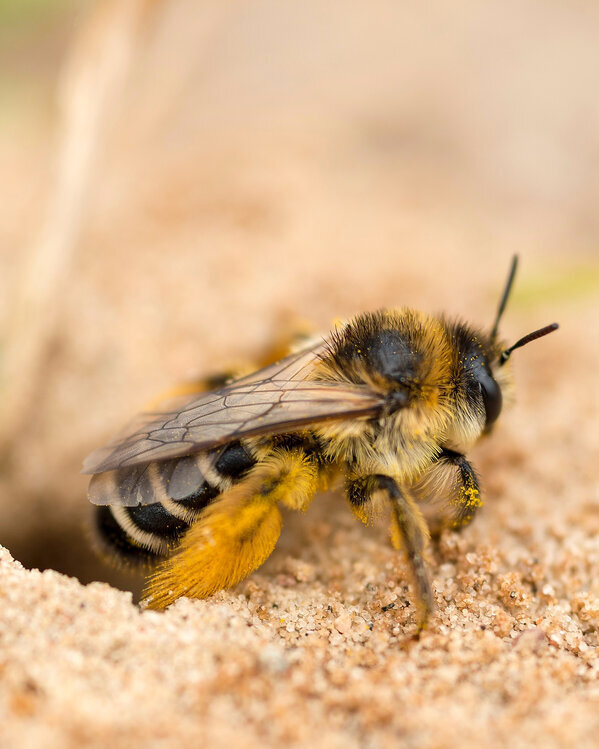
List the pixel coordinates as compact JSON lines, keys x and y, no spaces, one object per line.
{"x":409,"y":530}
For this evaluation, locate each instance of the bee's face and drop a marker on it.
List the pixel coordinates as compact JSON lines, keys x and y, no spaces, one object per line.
{"x":479,"y":383}
{"x":481,"y":386}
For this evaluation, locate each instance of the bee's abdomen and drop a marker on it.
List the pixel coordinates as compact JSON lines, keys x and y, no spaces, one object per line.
{"x":114,"y":541}
{"x":143,"y":534}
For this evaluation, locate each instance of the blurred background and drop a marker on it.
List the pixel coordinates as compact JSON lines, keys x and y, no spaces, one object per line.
{"x":182,"y":180}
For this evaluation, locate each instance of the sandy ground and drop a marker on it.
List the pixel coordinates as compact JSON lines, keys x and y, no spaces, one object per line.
{"x":303,"y":163}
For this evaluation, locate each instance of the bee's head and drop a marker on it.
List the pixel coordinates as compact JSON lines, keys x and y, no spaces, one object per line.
{"x":479,"y":382}
{"x":482,"y":357}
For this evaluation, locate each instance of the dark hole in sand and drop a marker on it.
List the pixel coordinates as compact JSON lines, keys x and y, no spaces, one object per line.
{"x":61,"y":541}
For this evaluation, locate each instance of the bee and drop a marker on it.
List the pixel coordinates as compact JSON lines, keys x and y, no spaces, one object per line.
{"x":390,"y":402}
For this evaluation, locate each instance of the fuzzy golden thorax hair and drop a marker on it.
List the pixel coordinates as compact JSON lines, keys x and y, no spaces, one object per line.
{"x":430,"y":369}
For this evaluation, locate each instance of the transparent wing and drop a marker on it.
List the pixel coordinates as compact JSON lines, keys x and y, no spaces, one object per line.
{"x":273,"y":400}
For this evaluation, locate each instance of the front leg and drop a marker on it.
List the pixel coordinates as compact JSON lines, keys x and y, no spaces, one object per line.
{"x":452,"y":481}
{"x":409,"y":530}
{"x":465,"y":499}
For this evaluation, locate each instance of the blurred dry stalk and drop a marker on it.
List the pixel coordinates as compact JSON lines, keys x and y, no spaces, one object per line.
{"x":90,"y":85}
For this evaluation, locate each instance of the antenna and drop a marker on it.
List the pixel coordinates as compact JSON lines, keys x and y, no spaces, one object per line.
{"x":505,"y":295}
{"x":505,"y":355}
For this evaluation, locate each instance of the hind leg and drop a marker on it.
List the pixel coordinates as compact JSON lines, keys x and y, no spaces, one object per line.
{"x":237,"y":532}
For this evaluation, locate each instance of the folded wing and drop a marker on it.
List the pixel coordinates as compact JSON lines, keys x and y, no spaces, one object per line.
{"x":274,"y":400}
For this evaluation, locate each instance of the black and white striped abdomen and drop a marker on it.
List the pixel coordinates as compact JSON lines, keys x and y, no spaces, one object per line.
{"x":144,"y":510}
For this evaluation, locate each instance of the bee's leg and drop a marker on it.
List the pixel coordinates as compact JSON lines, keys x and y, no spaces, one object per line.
{"x":292,"y":338}
{"x":293,"y":335}
{"x":409,"y":530}
{"x":237,"y":532}
{"x":464,"y":495}
{"x":201,"y":385}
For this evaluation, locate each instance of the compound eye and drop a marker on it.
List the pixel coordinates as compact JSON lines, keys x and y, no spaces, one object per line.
{"x":492,"y":398}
